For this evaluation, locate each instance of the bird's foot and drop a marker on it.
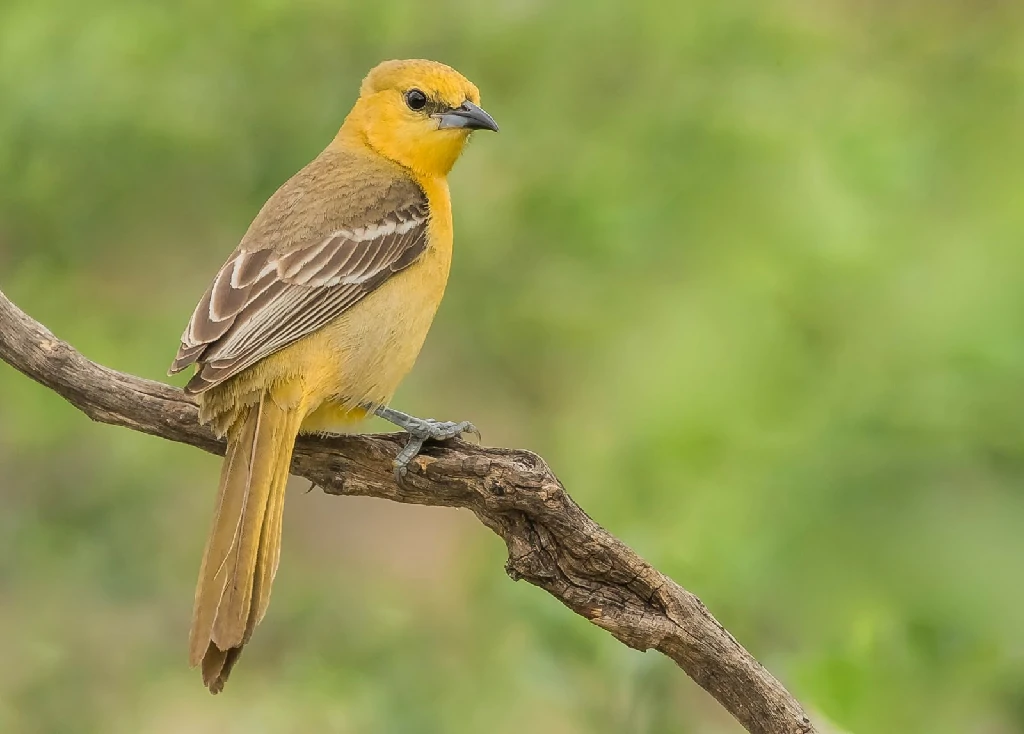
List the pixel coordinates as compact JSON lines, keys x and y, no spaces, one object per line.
{"x":421,"y":430}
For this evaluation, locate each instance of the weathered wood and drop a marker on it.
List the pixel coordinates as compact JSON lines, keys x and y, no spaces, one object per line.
{"x":552,"y":543}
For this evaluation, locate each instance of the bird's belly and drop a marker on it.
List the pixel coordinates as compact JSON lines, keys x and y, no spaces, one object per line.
{"x":365,"y":353}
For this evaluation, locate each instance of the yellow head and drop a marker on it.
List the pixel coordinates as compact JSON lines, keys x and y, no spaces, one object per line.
{"x":417,"y":113}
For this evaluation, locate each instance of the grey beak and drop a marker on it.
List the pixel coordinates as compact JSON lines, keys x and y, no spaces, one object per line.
{"x":466,"y":115}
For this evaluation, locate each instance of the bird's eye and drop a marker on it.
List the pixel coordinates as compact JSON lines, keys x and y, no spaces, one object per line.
{"x":416,"y":99}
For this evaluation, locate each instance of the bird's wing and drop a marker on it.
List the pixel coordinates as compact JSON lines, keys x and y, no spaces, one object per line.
{"x":262,"y":300}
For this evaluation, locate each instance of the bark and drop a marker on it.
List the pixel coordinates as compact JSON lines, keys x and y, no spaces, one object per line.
{"x":552,"y":543}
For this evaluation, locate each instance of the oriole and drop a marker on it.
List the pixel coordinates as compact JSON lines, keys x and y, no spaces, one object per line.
{"x":315,"y":319}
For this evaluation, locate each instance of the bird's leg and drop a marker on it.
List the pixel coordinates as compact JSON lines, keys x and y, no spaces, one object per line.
{"x":420,"y":430}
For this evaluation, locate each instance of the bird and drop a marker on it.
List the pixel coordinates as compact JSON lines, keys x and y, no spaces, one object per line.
{"x":314,"y":320}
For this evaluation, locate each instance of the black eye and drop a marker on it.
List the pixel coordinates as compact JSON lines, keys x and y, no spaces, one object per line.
{"x":416,"y":99}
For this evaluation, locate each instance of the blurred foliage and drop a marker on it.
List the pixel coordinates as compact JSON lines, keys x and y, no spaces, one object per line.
{"x":749,"y":275}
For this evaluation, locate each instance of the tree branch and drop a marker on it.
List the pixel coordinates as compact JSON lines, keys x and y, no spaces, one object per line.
{"x":552,"y":543}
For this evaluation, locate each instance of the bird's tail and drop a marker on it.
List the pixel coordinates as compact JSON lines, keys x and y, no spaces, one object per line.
{"x":244,"y":546}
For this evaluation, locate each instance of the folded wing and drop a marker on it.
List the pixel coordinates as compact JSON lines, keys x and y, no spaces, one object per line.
{"x":263,"y":300}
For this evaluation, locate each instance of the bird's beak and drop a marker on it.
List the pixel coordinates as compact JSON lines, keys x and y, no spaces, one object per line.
{"x":468,"y":116}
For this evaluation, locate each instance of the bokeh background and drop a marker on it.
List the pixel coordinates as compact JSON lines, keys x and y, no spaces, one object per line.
{"x":749,"y":275}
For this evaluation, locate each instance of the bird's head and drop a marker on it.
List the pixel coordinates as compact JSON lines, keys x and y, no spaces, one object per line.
{"x":417,"y":113}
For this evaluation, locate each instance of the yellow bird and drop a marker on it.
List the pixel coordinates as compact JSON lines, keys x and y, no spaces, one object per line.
{"x":315,"y":319}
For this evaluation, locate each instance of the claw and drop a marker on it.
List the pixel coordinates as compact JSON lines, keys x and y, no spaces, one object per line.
{"x":421,"y":430}
{"x":407,"y":454}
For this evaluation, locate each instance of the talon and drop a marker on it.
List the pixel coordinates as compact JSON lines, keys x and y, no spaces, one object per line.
{"x":421,"y":430}
{"x":467,"y":427}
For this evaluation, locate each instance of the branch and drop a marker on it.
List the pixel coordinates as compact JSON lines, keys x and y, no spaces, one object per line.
{"x":551,"y":542}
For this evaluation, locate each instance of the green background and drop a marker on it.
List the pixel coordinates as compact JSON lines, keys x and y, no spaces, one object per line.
{"x":748,"y":274}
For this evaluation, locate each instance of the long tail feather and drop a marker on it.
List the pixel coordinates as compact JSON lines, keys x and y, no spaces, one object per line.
{"x":243,"y":549}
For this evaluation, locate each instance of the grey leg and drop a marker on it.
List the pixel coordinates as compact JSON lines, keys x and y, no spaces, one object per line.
{"x":421,"y":430}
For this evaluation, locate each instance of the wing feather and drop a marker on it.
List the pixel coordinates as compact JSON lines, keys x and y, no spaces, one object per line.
{"x":263,"y":300}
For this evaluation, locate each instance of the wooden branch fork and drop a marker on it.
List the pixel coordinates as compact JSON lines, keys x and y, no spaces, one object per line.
{"x":552,"y":543}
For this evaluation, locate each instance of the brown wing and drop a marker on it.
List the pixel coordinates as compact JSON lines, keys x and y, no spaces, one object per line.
{"x":263,"y":300}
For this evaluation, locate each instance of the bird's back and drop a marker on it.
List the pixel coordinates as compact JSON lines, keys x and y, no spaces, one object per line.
{"x":342,"y":188}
